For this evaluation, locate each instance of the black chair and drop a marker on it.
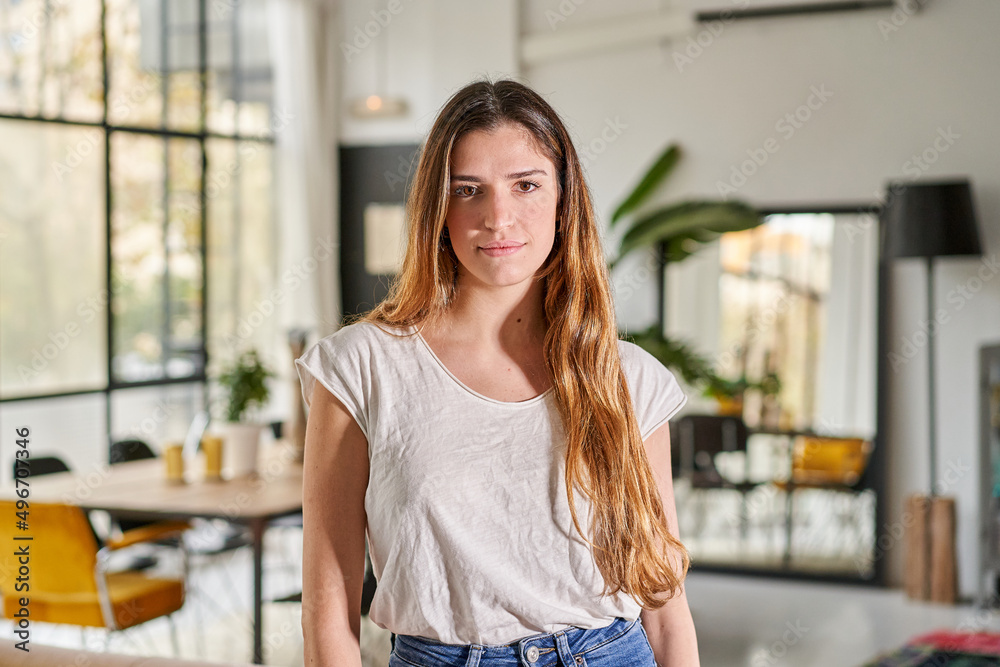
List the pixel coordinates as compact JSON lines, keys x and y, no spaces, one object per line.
{"x":38,"y":466}
{"x":130,"y":450}
{"x":699,"y":439}
{"x":123,"y":451}
{"x":41,"y":465}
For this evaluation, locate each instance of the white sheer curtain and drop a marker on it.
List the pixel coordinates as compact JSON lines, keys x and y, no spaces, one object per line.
{"x":303,"y":35}
{"x":848,"y":361}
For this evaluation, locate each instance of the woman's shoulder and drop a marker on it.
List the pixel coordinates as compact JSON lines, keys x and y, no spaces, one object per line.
{"x":348,"y":363}
{"x":364,"y":334}
{"x":645,"y":372}
{"x":634,"y":359}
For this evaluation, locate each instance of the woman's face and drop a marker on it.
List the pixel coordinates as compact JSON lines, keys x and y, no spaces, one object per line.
{"x":501,"y":207}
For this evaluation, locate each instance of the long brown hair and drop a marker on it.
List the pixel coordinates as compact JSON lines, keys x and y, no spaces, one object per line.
{"x":605,"y":455}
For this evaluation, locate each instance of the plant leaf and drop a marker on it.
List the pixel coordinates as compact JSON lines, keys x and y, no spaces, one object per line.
{"x":653,"y":177}
{"x":245,"y":381}
{"x":685,"y":226}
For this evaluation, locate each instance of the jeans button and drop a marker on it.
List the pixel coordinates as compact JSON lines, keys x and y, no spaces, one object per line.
{"x":532,"y":654}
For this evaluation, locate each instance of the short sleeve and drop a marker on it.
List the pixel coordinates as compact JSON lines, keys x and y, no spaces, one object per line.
{"x":656,"y":394}
{"x":341,"y":363}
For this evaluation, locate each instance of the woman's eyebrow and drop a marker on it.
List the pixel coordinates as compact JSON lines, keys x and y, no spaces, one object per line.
{"x":512,"y":176}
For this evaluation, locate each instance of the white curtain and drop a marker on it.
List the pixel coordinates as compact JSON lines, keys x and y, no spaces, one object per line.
{"x":303,"y":35}
{"x":848,"y":361}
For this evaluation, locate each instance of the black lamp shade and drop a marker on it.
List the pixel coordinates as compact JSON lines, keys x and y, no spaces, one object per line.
{"x":926,"y":219}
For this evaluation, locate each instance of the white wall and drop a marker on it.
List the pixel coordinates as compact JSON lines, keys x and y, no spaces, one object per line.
{"x":890,"y":94}
{"x":432,"y":48}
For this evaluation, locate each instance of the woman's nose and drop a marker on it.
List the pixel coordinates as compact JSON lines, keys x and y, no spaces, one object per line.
{"x":500,"y":212}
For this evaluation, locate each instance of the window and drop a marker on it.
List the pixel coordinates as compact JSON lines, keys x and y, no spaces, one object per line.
{"x":773,"y":289}
{"x":137,"y":226}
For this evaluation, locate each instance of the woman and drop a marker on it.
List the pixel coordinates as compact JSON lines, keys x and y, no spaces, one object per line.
{"x":508,"y":457}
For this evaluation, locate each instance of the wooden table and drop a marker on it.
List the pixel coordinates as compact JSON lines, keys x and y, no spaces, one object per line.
{"x":139,"y":490}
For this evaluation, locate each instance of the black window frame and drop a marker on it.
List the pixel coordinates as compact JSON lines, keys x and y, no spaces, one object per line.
{"x":202,"y":135}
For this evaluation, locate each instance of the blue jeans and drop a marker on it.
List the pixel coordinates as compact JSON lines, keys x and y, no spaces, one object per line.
{"x":621,"y":644}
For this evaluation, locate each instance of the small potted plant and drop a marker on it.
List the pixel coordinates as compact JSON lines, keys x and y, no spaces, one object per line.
{"x":728,"y":394}
{"x":245,"y":383}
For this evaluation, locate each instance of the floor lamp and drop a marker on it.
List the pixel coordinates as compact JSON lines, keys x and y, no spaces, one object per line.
{"x":928,"y":220}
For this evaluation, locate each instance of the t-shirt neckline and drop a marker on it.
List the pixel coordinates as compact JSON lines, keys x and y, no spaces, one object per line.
{"x":465,"y":387}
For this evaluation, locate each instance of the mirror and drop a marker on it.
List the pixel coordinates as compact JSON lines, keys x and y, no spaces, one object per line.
{"x":788,"y":312}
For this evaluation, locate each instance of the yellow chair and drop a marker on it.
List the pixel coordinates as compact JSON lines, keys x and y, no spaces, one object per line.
{"x":832,"y":464}
{"x":836,"y":463}
{"x":69,"y":579}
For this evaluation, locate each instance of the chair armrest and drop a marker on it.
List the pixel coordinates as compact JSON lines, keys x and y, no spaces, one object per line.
{"x":150,"y":533}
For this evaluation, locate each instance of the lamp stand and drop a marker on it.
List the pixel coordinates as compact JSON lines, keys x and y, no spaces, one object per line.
{"x":931,"y":567}
{"x":931,"y":219}
{"x":931,"y":344}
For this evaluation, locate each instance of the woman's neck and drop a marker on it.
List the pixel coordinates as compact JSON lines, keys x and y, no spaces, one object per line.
{"x":506,"y":316}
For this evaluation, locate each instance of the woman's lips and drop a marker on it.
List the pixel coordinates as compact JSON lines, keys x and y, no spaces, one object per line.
{"x":501,"y":250}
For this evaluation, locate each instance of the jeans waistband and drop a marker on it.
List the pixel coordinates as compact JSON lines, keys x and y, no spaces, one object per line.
{"x":532,"y":651}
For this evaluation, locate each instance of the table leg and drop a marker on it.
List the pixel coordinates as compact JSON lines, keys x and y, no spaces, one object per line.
{"x":258,"y":579}
{"x":789,"y":506}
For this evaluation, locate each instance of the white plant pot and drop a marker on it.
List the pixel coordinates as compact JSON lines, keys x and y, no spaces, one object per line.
{"x":239,"y":449}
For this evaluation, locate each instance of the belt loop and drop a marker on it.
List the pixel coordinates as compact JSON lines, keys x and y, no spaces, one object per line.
{"x":562,"y":648}
{"x":475,"y":653}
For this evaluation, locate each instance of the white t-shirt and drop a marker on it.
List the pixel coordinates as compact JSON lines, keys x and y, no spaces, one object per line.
{"x":469,"y":528}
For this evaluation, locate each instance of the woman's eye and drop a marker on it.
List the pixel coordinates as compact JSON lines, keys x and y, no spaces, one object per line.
{"x":526,"y":186}
{"x":465,"y":190}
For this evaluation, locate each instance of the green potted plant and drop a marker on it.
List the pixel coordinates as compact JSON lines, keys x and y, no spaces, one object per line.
{"x":728,"y":394}
{"x":245,"y":382}
{"x":679,"y":230}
